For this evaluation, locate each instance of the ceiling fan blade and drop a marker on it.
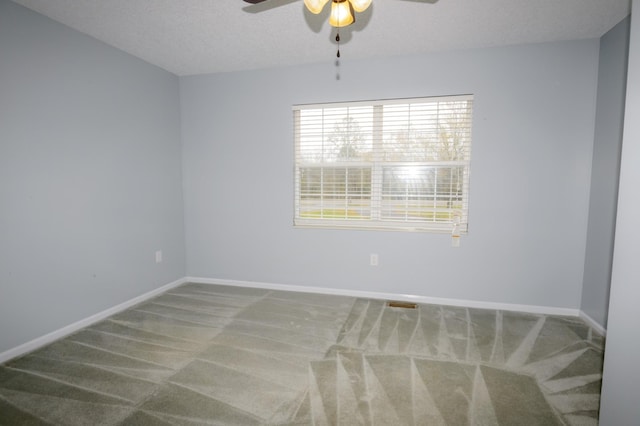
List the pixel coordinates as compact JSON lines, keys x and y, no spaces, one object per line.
{"x":257,"y":6}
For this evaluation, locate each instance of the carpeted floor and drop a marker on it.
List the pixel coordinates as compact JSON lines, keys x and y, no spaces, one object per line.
{"x":216,"y":355}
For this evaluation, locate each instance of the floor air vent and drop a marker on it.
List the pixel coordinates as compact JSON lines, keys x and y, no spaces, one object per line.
{"x":405,"y":305}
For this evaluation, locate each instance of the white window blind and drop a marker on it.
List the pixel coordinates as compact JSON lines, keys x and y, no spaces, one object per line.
{"x":387,"y":164}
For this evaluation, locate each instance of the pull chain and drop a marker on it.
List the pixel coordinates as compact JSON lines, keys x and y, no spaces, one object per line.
{"x":338,"y":33}
{"x":338,"y":54}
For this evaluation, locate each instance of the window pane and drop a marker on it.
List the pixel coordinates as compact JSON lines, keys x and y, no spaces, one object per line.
{"x":335,"y":134}
{"x":335,"y":192}
{"x":436,"y":131}
{"x":422,"y":193}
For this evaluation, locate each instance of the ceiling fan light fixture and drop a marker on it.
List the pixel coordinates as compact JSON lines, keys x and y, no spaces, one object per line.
{"x":360,"y":5}
{"x":315,"y":6}
{"x":341,"y":13}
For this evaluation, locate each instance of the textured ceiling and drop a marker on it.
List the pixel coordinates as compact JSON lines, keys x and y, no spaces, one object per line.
{"x":201,"y":36}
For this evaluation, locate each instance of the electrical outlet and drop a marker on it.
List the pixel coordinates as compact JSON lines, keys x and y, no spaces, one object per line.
{"x":159,"y":256}
{"x":373,"y":259}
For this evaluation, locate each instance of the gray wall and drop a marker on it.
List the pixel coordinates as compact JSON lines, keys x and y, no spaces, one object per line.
{"x":90,"y":176}
{"x":530,"y":176}
{"x":612,"y":77}
{"x":621,"y":379}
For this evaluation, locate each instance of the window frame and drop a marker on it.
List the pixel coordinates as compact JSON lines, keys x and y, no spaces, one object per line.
{"x":377,"y":164}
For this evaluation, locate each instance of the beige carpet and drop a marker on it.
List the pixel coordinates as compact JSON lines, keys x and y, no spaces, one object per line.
{"x":218,"y":355}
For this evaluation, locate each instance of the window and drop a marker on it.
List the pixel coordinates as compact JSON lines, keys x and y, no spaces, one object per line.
{"x":390,"y":164}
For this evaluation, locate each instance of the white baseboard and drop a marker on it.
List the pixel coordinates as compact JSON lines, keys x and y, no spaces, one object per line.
{"x":597,"y":327}
{"x":547,"y":310}
{"x":72,"y":328}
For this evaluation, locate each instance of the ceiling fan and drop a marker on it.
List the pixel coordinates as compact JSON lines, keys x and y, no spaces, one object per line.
{"x":342,"y":11}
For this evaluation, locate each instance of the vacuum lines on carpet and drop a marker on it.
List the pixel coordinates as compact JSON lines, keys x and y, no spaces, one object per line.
{"x":204,"y":354}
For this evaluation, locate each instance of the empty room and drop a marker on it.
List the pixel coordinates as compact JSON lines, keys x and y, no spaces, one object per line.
{"x":303,"y":212}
